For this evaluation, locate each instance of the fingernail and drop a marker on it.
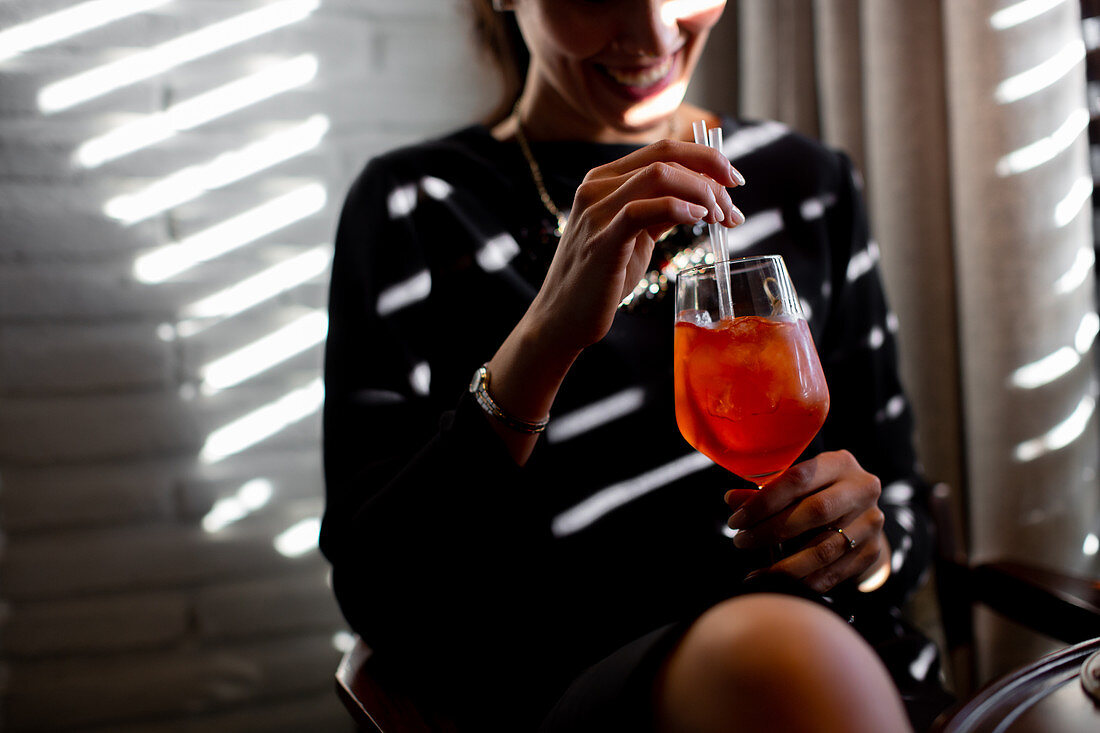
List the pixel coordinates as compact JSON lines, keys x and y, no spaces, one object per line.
{"x":737,"y":217}
{"x":697,"y":211}
{"x":737,"y":519}
{"x":744,"y":538}
{"x":753,"y":574}
{"x":736,"y":175}
{"x":719,"y":215}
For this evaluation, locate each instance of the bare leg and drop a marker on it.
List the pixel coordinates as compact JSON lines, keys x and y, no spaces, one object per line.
{"x":775,"y":663}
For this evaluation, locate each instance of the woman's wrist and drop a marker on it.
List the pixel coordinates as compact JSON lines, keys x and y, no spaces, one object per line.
{"x":479,"y":387}
{"x":527,"y":371}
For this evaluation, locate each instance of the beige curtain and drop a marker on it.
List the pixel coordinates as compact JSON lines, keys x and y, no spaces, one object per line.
{"x":968,"y":120}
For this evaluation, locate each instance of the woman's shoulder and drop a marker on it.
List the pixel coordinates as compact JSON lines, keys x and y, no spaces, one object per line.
{"x":453,"y":152}
{"x":774,"y":151}
{"x":467,"y":159}
{"x":777,"y":142}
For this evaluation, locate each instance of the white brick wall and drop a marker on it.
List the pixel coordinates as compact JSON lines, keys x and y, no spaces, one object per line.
{"x":124,"y":608}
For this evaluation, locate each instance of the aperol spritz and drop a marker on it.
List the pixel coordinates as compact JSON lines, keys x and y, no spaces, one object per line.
{"x":750,"y":392}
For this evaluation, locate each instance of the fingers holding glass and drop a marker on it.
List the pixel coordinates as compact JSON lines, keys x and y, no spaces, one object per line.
{"x":816,"y":493}
{"x":833,"y":555}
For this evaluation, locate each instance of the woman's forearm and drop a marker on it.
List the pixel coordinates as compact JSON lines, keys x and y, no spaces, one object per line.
{"x":526,"y":373}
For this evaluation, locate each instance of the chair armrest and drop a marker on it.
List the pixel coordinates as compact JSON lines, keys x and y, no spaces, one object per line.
{"x":352,"y":686}
{"x":1061,"y":606}
{"x":377,"y":702}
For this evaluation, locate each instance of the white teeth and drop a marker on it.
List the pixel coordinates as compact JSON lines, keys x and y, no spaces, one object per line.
{"x":641,"y":78}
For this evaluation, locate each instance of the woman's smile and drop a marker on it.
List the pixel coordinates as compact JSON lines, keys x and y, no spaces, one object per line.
{"x":640,"y":81}
{"x":610,"y":71}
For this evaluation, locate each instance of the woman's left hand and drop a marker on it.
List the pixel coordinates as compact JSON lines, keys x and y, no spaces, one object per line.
{"x":815,"y":498}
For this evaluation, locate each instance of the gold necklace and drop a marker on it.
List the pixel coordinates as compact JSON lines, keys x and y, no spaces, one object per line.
{"x":536,"y":175}
{"x":536,"y":172}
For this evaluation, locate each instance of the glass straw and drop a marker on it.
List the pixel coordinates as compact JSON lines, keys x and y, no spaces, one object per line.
{"x":716,"y":232}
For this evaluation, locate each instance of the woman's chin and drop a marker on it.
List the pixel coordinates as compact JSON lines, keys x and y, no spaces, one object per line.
{"x":655,"y":113}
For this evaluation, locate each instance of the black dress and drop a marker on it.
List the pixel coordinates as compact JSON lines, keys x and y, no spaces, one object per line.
{"x":492,"y":586}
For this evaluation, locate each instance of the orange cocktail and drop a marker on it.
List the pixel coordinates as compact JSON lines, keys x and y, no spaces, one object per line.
{"x":750,"y":392}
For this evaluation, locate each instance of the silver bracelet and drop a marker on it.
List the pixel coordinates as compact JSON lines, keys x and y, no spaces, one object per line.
{"x":479,"y":386}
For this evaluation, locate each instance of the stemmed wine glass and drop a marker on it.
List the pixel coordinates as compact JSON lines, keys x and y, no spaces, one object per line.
{"x":750,"y":393}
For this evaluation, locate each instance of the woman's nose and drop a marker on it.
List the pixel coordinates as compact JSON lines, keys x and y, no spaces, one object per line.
{"x":652,"y":30}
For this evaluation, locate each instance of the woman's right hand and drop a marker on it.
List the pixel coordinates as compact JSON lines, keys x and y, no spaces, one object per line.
{"x":619,"y":211}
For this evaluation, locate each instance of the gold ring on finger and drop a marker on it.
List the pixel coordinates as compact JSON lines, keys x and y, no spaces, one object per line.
{"x":849,"y":540}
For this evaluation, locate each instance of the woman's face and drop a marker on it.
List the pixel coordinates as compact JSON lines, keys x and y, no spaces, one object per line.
{"x":611,"y":68}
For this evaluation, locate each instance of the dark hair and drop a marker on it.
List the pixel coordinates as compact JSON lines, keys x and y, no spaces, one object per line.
{"x":498,"y":35}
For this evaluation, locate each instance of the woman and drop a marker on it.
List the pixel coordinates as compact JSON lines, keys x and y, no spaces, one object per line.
{"x":580,"y":575}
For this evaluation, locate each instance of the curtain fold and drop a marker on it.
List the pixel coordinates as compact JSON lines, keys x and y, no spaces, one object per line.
{"x":909,"y":195}
{"x":969,"y":121}
{"x":840,"y":76}
{"x":777,"y":79}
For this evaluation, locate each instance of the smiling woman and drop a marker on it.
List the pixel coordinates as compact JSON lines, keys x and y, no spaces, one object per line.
{"x":608,"y":75}
{"x":586,"y":576}
{"x":601,"y":74}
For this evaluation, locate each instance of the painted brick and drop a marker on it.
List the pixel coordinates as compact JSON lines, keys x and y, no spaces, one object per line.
{"x":209,"y":281}
{"x":96,"y":427}
{"x":107,"y":624}
{"x":29,"y":212}
{"x":207,"y":211}
{"x":63,"y":291}
{"x":399,"y":104}
{"x":68,"y":358}
{"x":225,"y":407}
{"x":292,"y":474}
{"x":422,"y":49}
{"x":61,"y":564}
{"x":232,"y":334}
{"x":35,"y":149}
{"x":25,"y":76}
{"x":339,"y":46}
{"x":131,"y":687}
{"x":391,"y":9}
{"x":245,"y":609}
{"x":58,"y":497}
{"x":147,"y":165}
{"x":21,"y":11}
{"x":151,"y":26}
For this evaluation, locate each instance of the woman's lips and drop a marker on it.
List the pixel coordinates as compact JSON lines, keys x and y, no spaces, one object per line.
{"x":641,"y":77}
{"x":639,"y":82}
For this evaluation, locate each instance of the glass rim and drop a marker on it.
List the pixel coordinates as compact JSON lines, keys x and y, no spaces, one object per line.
{"x":696,"y":270}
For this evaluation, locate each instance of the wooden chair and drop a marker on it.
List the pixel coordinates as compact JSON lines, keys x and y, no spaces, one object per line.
{"x":377,"y":702}
{"x":1056,"y":604}
{"x":1049,"y":694}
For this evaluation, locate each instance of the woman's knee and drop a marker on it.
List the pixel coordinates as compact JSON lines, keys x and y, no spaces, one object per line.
{"x":777,"y":662}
